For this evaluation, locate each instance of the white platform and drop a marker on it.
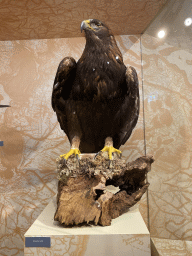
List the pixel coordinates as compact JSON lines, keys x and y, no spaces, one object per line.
{"x":127,"y":235}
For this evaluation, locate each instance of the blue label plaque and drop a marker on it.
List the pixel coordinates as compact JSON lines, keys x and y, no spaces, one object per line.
{"x":1,"y":143}
{"x":37,"y":242}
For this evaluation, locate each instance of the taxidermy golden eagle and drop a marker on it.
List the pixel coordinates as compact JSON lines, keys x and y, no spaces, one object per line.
{"x":97,"y":98}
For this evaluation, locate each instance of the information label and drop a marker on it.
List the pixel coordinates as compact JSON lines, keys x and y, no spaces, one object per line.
{"x":37,"y":242}
{"x":1,"y":143}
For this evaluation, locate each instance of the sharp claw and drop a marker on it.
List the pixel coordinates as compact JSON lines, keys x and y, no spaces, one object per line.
{"x":64,"y":162}
{"x":118,"y":154}
{"x":97,"y":154}
{"x":77,"y":156}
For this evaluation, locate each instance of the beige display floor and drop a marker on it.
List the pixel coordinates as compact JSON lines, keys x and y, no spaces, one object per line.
{"x":127,"y":235}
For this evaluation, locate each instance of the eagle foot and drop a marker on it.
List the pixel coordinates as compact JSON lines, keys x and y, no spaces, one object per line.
{"x":72,"y":151}
{"x":111,"y":151}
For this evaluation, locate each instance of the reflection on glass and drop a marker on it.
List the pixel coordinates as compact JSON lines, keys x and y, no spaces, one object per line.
{"x":161,"y":34}
{"x":188,"y":22}
{"x":168,"y":120}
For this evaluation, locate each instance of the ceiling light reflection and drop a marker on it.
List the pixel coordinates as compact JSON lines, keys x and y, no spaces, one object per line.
{"x":161,"y":33}
{"x":188,"y":22}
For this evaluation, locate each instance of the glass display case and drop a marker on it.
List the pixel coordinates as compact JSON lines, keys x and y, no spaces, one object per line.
{"x":30,"y":136}
{"x":167,"y":82}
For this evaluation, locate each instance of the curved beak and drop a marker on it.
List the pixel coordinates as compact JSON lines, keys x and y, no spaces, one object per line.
{"x":85,"y":24}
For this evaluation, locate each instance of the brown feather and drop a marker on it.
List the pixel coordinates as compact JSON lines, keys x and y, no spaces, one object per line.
{"x":97,"y":97}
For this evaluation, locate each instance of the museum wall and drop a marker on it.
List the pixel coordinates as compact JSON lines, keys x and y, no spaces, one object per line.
{"x":31,"y":134}
{"x":167,"y":69}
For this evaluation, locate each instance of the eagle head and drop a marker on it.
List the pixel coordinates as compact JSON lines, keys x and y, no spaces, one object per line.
{"x":95,"y":28}
{"x":100,"y":40}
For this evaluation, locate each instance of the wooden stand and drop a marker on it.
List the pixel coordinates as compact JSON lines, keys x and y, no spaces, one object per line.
{"x":127,"y":235}
{"x":82,"y":189}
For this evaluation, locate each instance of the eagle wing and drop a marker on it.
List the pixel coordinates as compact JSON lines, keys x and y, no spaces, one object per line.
{"x":62,"y":88}
{"x":130,"y":107}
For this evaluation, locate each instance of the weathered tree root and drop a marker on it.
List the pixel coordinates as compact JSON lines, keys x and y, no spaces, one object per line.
{"x":82,"y":196}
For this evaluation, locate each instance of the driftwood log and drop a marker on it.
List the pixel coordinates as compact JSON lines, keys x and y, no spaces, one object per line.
{"x":82,"y":188}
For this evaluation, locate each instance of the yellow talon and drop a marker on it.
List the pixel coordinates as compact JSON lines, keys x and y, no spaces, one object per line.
{"x":110,"y":150}
{"x":72,"y":151}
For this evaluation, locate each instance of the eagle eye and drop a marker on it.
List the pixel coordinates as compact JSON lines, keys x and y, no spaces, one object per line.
{"x":99,"y":25}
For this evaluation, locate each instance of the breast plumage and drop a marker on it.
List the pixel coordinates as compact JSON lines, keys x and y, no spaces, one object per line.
{"x":96,"y":99}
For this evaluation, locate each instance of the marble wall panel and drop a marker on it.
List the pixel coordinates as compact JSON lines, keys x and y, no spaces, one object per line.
{"x":31,"y":134}
{"x":168,"y":122}
{"x":167,"y":247}
{"x":32,"y":19}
